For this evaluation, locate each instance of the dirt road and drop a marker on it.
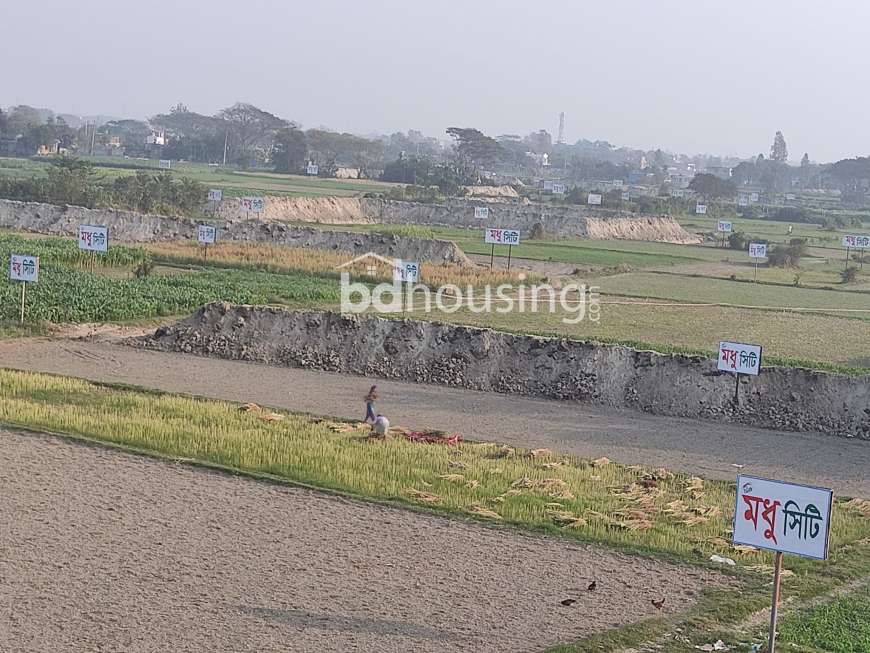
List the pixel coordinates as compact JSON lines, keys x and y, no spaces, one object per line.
{"x":105,"y":551}
{"x":707,"y":448}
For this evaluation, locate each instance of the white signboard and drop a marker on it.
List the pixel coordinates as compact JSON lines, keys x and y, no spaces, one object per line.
{"x":312,"y":169}
{"x":617,"y":183}
{"x":724,"y":226}
{"x":856,"y":242}
{"x":626,"y":196}
{"x":215,"y":195}
{"x":24,"y":268}
{"x":165,"y":164}
{"x":481,"y":212}
{"x":593,"y":198}
{"x":93,"y":239}
{"x":559,"y":189}
{"x":501,"y":237}
{"x":757,"y":250}
{"x":255,"y":204}
{"x":206,"y":234}
{"x":548,"y":184}
{"x":784,"y":517}
{"x":406,"y":271}
{"x":701,"y":209}
{"x":743,"y":200}
{"x":790,"y":196}
{"x":753,"y":197}
{"x":739,"y":357}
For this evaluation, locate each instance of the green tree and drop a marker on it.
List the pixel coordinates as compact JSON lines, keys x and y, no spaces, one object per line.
{"x":779,"y":151}
{"x":290,"y":151}
{"x":737,"y":240}
{"x":805,"y":160}
{"x":788,"y":255}
{"x":475,"y":147}
{"x":712,"y":187}
{"x":251,"y":132}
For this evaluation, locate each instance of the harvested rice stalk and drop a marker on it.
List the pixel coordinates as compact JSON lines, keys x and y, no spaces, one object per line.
{"x":453,"y":478}
{"x":249,"y":408}
{"x":484,"y":512}
{"x":539,"y":453}
{"x":426,"y":497}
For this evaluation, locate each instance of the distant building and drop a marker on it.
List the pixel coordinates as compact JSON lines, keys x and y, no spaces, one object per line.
{"x":723,"y":172}
{"x":156,"y":138}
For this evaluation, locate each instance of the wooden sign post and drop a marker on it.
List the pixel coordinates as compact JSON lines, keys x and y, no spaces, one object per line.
{"x":739,"y":358}
{"x":509,"y":237}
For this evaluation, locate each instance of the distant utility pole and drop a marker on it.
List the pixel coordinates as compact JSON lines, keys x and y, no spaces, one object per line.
{"x":93,"y":137}
{"x":561,"y":139}
{"x":226,"y":140}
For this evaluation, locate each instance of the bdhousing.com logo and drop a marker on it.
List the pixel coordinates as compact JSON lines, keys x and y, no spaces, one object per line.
{"x":576,"y":302}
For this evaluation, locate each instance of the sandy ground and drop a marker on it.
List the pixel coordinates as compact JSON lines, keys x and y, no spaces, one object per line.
{"x":106,"y":551}
{"x":708,"y":448}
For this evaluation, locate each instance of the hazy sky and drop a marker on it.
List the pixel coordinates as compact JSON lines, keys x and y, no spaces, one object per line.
{"x":718,"y":76}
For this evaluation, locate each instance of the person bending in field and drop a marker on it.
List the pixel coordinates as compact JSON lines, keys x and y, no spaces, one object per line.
{"x":370,"y":400}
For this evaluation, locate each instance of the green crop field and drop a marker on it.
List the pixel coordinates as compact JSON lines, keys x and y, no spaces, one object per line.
{"x":72,"y":289}
{"x":724,"y":291}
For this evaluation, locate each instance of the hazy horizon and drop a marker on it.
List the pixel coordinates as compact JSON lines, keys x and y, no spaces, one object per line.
{"x":693,"y":78}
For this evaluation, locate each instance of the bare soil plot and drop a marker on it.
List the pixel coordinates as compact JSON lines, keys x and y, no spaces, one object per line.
{"x":103,"y":550}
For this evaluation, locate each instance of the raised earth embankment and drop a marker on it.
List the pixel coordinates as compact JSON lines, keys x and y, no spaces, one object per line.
{"x":481,"y":359}
{"x":127,"y":226}
{"x":555,"y":220}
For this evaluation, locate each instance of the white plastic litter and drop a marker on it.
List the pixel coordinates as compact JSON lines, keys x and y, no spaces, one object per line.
{"x":722,"y":561}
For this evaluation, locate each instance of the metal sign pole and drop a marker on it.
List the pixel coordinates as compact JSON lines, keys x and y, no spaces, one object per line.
{"x":23,"y":287}
{"x":845,"y":267}
{"x":491,"y":255}
{"x":737,"y":389}
{"x":777,"y":573}
{"x":509,"y":256}
{"x":756,"y":270}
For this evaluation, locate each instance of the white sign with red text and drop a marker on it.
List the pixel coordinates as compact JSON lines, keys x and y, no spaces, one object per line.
{"x":724,"y":226}
{"x":501,"y":237}
{"x":593,"y":198}
{"x":739,"y":357}
{"x":785,"y":517}
{"x":481,"y":212}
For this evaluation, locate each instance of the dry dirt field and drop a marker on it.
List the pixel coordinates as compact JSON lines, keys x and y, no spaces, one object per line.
{"x":106,"y":551}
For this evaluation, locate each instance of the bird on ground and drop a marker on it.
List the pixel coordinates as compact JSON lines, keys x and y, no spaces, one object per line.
{"x":658,"y":604}
{"x":568,"y":602}
{"x":592,"y":586}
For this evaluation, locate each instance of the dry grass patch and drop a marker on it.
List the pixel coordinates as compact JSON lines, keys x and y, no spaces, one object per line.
{"x":277,"y":258}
